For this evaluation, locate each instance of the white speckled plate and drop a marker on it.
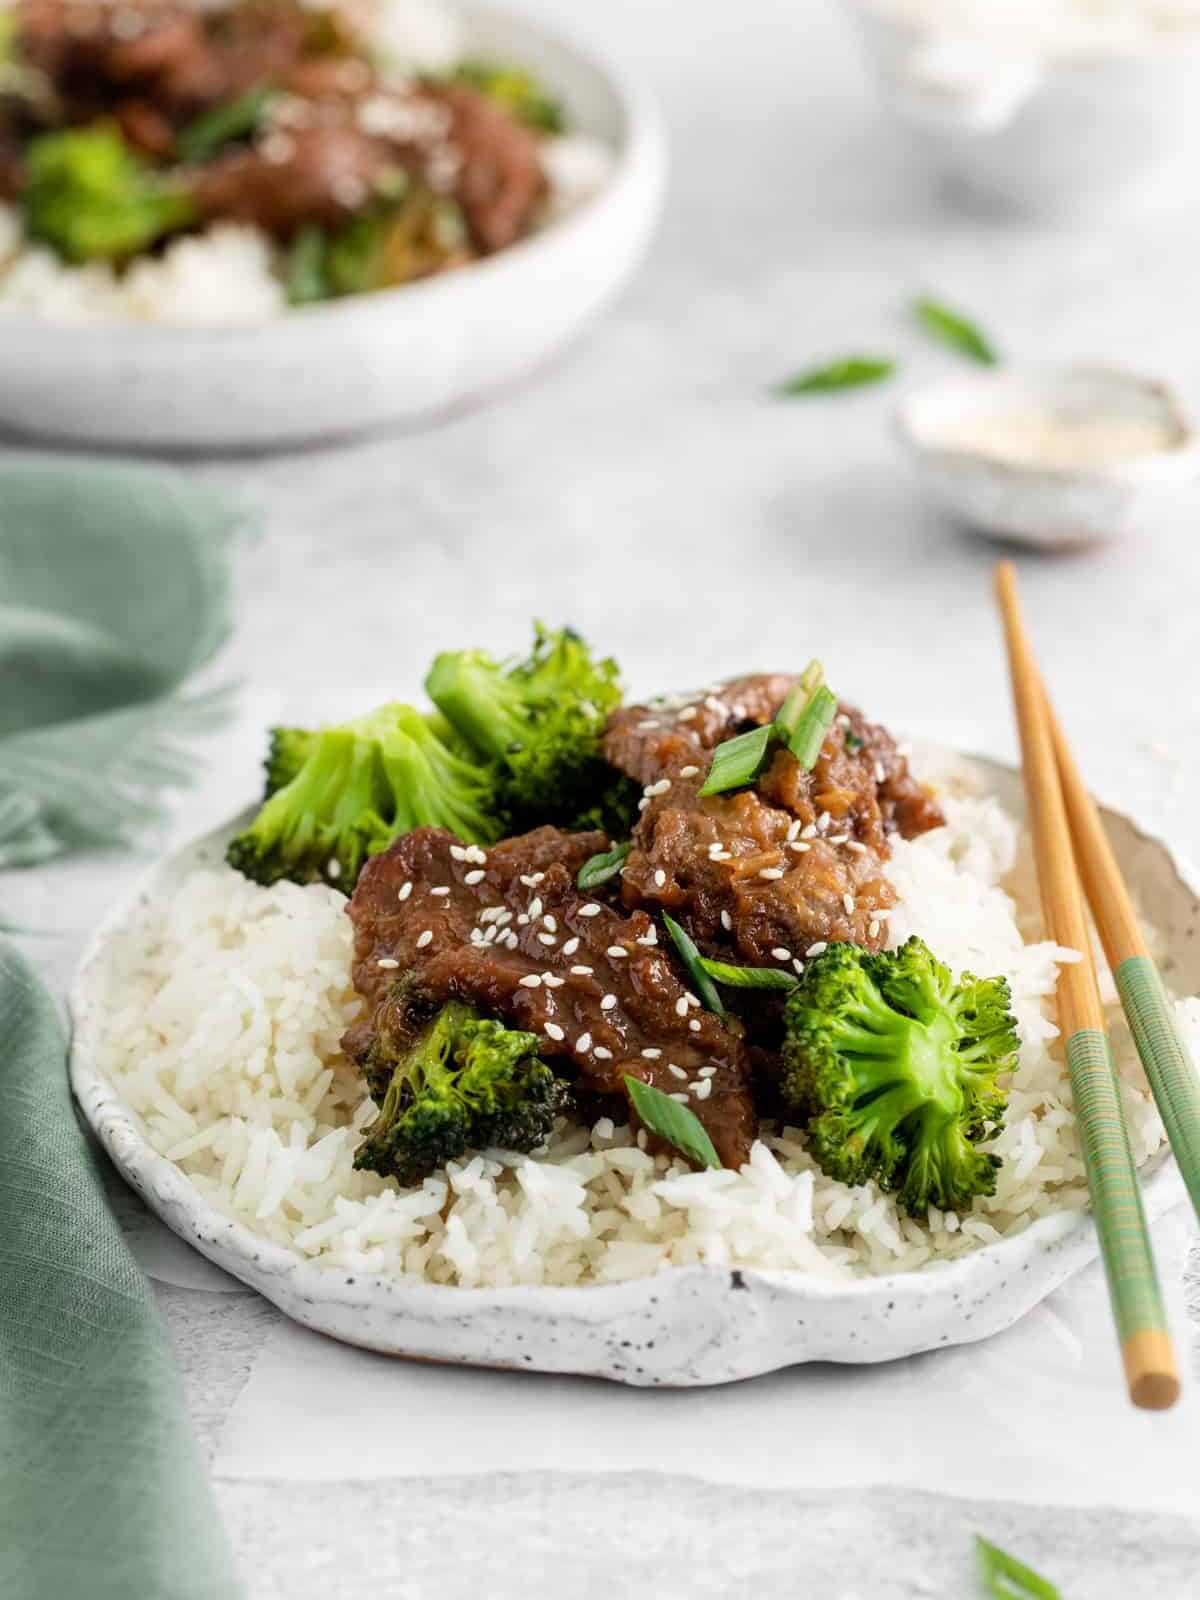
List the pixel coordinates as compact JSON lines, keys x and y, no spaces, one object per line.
{"x":687,"y":1325}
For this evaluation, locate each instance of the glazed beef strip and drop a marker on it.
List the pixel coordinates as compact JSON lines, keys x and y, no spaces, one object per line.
{"x":508,"y":930}
{"x":771,"y":871}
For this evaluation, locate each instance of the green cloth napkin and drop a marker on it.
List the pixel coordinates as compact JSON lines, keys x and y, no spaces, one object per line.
{"x":102,"y":1493}
{"x":114,"y":587}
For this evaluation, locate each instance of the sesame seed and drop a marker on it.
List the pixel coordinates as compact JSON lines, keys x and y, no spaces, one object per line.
{"x":590,"y":910}
{"x":793,"y":827}
{"x":688,"y":772}
{"x":688,"y":714}
{"x":873,"y":930}
{"x":405,"y":891}
{"x":842,"y":720}
{"x":654,"y":789}
{"x":770,"y":872}
{"x":601,"y":1053}
{"x":440,"y":890}
{"x":549,"y":923}
{"x":857,"y":847}
{"x":476,"y":875}
{"x":642,"y":1140}
{"x":681,"y":1006}
{"x":651,"y":1053}
{"x":681,"y":1097}
{"x":509,"y":938}
{"x":797,"y":966}
{"x":676,"y":1072}
{"x":425,"y":938}
{"x":553,"y":1031}
{"x":607,"y":1002}
{"x":645,"y":727}
{"x":489,"y":914}
{"x":528,"y":880}
{"x":713,"y":703}
{"x":809,"y":831}
{"x":691,"y":999}
{"x":694,"y":1024}
{"x":720,"y":855}
{"x":726,"y":921}
{"x":387,"y":963}
{"x":617,"y":952}
{"x":570,"y":947}
{"x":643,"y":803}
{"x":839,"y":838}
{"x":848,"y":902}
{"x":582,"y":972}
{"x":584,"y":1042}
{"x":535,"y":907}
{"x":799,"y":846}
{"x":650,"y":938}
{"x":781,"y":954}
{"x":823,"y":822}
{"x":707,"y":1072}
{"x":880,"y":772}
{"x":816,"y":949}
{"x":703,"y":1089}
{"x":522,"y":920}
{"x":457,"y":852}
{"x":333,"y":867}
{"x":531,"y":981}
{"x":660,"y":878}
{"x":552,"y":980}
{"x":547,"y":939}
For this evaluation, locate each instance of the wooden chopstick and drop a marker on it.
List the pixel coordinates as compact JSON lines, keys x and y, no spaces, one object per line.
{"x":1170,"y":1072}
{"x":1146,"y":1350}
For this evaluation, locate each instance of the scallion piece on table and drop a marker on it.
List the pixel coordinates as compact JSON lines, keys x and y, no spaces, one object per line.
{"x":1005,"y":1578}
{"x":953,"y":329}
{"x":738,"y":761}
{"x":805,"y":744}
{"x":694,"y":963}
{"x":852,"y":372}
{"x":600,"y":868}
{"x":673,"y":1121}
{"x":749,"y":977}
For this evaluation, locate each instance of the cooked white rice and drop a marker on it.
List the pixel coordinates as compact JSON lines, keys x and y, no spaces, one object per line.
{"x":224,"y":276}
{"x":223,"y":1011}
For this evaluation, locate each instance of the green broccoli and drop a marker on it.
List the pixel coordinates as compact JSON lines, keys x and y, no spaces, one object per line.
{"x":540,"y":719}
{"x":93,"y":199}
{"x":894,"y":1065}
{"x":357,"y":788}
{"x":466,"y":1083}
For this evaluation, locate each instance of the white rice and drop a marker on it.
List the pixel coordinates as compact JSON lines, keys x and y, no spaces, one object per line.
{"x":222,"y":1012}
{"x":224,"y":276}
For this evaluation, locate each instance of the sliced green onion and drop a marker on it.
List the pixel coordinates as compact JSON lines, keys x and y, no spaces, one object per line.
{"x":749,"y":977}
{"x":738,"y":761}
{"x":1005,"y":1578}
{"x":849,"y":373}
{"x":233,"y":119}
{"x":805,"y":744}
{"x":952,"y":328}
{"x":694,"y":963}
{"x":798,"y":696}
{"x":673,"y":1121}
{"x":853,"y":742}
{"x":305,"y":278}
{"x":600,"y":868}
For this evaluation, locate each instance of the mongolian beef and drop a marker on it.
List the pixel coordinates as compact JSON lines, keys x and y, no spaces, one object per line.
{"x":126,"y":124}
{"x":671,"y":914}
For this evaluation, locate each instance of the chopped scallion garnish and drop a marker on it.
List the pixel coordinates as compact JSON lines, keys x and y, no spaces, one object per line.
{"x":853,"y":742}
{"x":749,"y":977}
{"x":788,"y":717}
{"x":673,"y":1121}
{"x":805,"y":744}
{"x":600,"y":868}
{"x":738,"y":761}
{"x":852,"y":372}
{"x":227,"y":121}
{"x":1005,"y":1578}
{"x":952,"y":328}
{"x":694,"y":963}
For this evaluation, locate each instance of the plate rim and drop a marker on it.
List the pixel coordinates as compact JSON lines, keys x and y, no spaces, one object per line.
{"x":255,"y":1255}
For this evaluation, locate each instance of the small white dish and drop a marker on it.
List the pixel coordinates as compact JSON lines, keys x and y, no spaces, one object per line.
{"x":1026,"y":120}
{"x":399,"y":356}
{"x":685,"y":1326}
{"x":1054,"y":458}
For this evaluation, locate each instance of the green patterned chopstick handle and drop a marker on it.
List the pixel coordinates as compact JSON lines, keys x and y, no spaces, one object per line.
{"x":1172,"y":1076}
{"x":1112,"y":1181}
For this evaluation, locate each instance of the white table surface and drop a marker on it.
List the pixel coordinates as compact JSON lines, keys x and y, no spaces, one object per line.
{"x":649,"y":491}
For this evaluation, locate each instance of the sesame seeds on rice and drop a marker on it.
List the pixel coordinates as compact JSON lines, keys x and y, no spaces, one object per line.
{"x":220,"y":1012}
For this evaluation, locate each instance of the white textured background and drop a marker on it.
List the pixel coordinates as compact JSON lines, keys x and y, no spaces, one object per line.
{"x":649,"y":491}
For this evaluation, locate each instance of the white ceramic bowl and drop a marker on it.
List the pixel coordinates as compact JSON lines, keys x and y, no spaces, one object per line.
{"x":1054,"y":507}
{"x":400,"y":356}
{"x":1036,"y":132}
{"x":686,"y":1325}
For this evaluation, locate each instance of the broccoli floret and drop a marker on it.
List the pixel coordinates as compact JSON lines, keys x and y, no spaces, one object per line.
{"x":93,"y":199}
{"x":359,"y":787}
{"x":893,"y":1065}
{"x":540,"y":719}
{"x":466,"y":1083}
